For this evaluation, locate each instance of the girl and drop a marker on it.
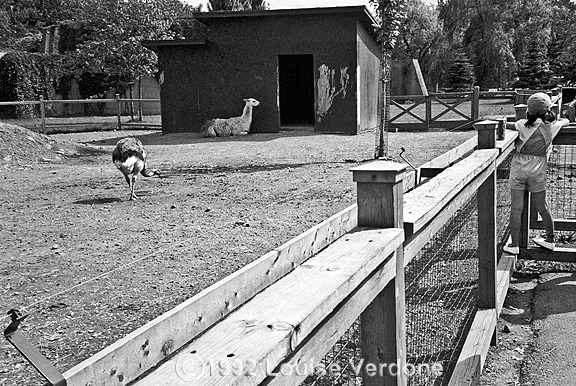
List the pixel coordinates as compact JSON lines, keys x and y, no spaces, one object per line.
{"x":529,"y":165}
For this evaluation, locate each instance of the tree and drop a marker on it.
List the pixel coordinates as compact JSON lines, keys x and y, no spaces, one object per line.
{"x":21,"y":19}
{"x":421,"y":37}
{"x":534,"y":73}
{"x":116,"y":28}
{"x":236,"y":5}
{"x":460,"y":73}
{"x":562,"y":46}
{"x":107,"y":44}
{"x":390,"y":13}
{"x":482,"y":29}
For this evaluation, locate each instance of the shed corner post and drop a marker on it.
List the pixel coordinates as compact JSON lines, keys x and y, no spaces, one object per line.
{"x":383,"y":323}
{"x":487,"y":238}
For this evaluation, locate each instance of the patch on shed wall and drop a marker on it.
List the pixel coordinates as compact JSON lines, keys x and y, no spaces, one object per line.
{"x":327,"y":88}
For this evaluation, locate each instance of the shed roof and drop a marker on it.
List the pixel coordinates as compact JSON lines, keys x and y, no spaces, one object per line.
{"x":363,"y":14}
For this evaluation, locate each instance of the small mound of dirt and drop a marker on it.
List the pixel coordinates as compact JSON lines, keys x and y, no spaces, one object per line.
{"x":20,"y":147}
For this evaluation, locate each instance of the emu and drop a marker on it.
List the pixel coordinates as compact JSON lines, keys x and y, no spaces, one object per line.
{"x":130,"y":158}
{"x":220,"y":127}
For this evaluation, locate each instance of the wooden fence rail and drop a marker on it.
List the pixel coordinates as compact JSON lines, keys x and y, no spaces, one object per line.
{"x":117,"y":101}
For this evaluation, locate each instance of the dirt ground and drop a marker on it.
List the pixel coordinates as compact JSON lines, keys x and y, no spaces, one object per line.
{"x":89,"y":266}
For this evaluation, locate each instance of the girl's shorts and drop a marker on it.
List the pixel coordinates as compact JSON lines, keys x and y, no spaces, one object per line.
{"x":528,"y":172}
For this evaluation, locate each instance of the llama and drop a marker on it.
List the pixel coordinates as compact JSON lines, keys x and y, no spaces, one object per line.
{"x":220,"y":127}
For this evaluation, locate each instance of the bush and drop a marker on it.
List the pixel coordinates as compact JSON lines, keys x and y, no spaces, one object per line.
{"x":23,"y":77}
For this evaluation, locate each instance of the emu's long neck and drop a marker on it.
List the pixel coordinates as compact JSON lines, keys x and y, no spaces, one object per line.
{"x":247,"y":113}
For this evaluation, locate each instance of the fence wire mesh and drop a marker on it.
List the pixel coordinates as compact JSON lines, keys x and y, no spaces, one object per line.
{"x":562,"y":182}
{"x":441,"y":300}
{"x":561,"y":187}
{"x":441,"y":296}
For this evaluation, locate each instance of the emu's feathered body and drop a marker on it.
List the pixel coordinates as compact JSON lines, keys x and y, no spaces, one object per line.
{"x":220,"y":127}
{"x":130,"y":158}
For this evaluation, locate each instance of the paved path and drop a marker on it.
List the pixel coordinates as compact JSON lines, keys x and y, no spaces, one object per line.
{"x":554,"y":326}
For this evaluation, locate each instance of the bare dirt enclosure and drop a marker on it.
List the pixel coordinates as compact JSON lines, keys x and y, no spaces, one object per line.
{"x":89,"y":266}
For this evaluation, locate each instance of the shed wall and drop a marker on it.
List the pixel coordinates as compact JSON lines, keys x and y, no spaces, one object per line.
{"x":368,"y":81}
{"x":241,"y":61}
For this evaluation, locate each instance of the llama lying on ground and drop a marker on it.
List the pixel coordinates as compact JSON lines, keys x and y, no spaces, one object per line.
{"x":220,"y":127}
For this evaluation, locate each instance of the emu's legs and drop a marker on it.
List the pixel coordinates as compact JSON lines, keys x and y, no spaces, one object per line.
{"x":133,"y":196}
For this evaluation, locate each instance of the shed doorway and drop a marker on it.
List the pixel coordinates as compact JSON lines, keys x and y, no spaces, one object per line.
{"x":296,"y":91}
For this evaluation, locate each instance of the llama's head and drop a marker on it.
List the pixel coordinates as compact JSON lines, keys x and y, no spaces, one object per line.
{"x":251,"y":101}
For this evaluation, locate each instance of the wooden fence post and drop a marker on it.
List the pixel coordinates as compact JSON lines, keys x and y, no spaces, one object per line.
{"x":487,"y":239}
{"x":43,"y":115}
{"x":475,"y":108}
{"x":428,"y":117}
{"x":118,"y":111}
{"x":383,"y":323}
{"x":520,"y":111}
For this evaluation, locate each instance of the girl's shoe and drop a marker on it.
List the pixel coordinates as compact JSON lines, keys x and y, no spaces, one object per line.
{"x":544,"y":244}
{"x":511,"y":250}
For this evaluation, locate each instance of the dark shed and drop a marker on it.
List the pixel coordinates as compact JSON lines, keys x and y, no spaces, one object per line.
{"x":316,"y":67}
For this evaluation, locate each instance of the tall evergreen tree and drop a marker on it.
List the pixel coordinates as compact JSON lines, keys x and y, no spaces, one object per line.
{"x":481,"y":28}
{"x":460,"y":73}
{"x":534,"y":73}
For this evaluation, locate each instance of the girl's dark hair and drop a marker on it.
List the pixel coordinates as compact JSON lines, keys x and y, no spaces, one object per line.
{"x":547,"y":117}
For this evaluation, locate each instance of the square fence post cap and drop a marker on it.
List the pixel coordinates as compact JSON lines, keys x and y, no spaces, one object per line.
{"x":379,"y":171}
{"x":486,"y":125}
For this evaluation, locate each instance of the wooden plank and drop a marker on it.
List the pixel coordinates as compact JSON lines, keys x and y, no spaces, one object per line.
{"x":471,"y":360}
{"x":423,"y":203}
{"x":452,"y":155}
{"x":269,"y":327}
{"x":409,"y":182}
{"x":506,"y":145}
{"x":565,"y":255}
{"x":566,"y":136}
{"x":504,"y":274}
{"x":420,"y":77}
{"x":560,"y":224}
{"x":487,"y":240}
{"x":415,"y":242}
{"x":331,"y":329}
{"x":131,"y":356}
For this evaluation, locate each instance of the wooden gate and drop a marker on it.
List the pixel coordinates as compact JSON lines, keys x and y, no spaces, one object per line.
{"x":434,"y":111}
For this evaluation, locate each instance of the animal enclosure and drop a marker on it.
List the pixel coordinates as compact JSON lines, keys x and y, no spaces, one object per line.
{"x":323,"y":235}
{"x":457,"y":292}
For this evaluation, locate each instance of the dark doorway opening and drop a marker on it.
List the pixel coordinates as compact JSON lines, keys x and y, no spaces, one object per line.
{"x":296,"y":90}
